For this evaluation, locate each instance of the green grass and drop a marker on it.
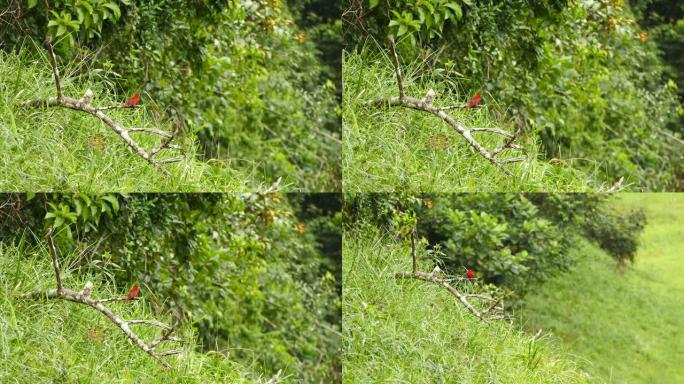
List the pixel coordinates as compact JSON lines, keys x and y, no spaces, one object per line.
{"x":397,"y":148}
{"x":60,"y":341}
{"x":56,"y":149}
{"x":624,"y":327}
{"x":411,"y":331}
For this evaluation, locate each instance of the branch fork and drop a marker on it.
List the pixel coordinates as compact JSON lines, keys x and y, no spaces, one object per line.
{"x":425,"y":104}
{"x":84,"y":297}
{"x":84,"y":105}
{"x":493,"y":311}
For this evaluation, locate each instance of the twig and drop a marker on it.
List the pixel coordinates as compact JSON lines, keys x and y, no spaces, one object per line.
{"x":83,"y":297}
{"x":55,"y":261}
{"x":413,"y":251}
{"x":55,"y":69}
{"x":425,"y":104}
{"x":84,"y":105}
{"x":397,"y":67}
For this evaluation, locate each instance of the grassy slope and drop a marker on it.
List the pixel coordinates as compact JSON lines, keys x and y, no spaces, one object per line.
{"x":389,"y":149}
{"x":52,"y":149}
{"x":414,"y":332}
{"x":626,"y":328}
{"x":58,"y":340}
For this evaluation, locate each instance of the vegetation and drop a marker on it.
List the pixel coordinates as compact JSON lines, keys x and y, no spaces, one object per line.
{"x":69,"y":342}
{"x":256,"y":277}
{"x":252,"y":91}
{"x":407,"y":330}
{"x":514,"y":241}
{"x":624,"y":326}
{"x":579,"y":79}
{"x":533,"y":249}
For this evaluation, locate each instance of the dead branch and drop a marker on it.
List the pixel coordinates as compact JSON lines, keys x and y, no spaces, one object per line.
{"x":83,"y":297}
{"x":84,"y":105}
{"x":435,"y":278}
{"x":425,"y":104}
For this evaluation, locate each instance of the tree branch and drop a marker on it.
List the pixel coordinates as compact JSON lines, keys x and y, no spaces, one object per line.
{"x":446,"y":283}
{"x":83,"y":297}
{"x":83,"y":105}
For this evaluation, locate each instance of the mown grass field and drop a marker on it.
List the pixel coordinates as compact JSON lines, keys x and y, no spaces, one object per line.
{"x":410,"y":331}
{"x":60,"y":341}
{"x":623,"y":327}
{"x":388,"y":149}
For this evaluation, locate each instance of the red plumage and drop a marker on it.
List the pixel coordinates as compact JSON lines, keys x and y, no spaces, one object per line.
{"x":133,"y":101}
{"x":133,"y":293}
{"x":474,"y":101}
{"x":470,"y":274}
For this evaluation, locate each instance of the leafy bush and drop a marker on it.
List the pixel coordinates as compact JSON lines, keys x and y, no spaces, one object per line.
{"x":511,"y":240}
{"x":617,"y":233}
{"x":246,"y":271}
{"x":502,"y":237}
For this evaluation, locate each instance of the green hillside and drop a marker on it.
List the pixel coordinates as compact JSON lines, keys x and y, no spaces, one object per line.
{"x":624,"y":327}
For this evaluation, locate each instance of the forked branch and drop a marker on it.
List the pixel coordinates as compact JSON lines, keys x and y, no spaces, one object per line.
{"x":435,"y":277}
{"x":84,"y":297}
{"x":425,"y":104}
{"x":84,"y":105}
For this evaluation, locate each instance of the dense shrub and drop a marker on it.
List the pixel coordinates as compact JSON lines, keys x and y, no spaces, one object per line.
{"x":617,"y":233}
{"x":248,"y":271}
{"x":500,"y":236}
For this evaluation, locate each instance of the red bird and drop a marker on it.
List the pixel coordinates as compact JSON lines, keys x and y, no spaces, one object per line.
{"x":470,"y":274}
{"x":133,"y":292}
{"x":133,"y":101}
{"x":474,"y":101}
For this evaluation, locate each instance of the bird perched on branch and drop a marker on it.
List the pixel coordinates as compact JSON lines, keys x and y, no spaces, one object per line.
{"x":133,"y":101}
{"x":470,"y":274}
{"x":474,"y":101}
{"x":429,"y":96}
{"x":133,"y":293}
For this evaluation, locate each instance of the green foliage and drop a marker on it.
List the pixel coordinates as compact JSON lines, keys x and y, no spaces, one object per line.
{"x":56,"y":149}
{"x":243,"y":270}
{"x":618,"y":233}
{"x":514,"y":241}
{"x":575,"y":75}
{"x":400,"y":149}
{"x":502,"y":237}
{"x":83,"y":18}
{"x":422,"y":18}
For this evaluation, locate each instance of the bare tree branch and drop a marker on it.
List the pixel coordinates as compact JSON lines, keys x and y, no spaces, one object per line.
{"x":483,"y":314}
{"x":55,"y":261}
{"x":425,"y":104}
{"x":397,"y":67}
{"x":413,"y":251}
{"x":83,"y":297}
{"x":84,"y":105}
